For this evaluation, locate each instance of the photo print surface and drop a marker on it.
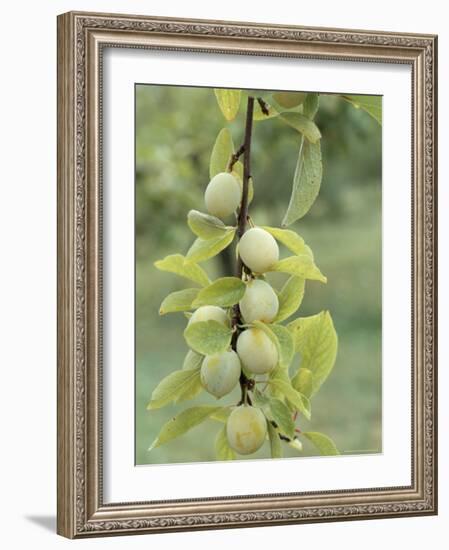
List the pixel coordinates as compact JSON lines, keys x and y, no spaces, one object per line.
{"x":258,"y":274}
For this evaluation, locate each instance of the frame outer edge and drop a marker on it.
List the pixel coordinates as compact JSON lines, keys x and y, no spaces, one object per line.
{"x":434,"y":160}
{"x":77,"y":218}
{"x":66,"y":343}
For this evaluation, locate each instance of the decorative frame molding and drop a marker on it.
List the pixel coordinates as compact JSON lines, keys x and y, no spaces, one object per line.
{"x":81,"y":37}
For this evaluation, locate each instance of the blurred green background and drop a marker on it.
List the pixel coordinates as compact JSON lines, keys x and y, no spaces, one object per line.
{"x":175,"y":130}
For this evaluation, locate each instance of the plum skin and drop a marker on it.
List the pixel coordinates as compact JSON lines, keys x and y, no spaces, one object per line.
{"x":259,"y":303}
{"x":257,"y":352}
{"x":209,"y":313}
{"x":258,"y":250}
{"x":220,"y":373}
{"x":246,"y":429}
{"x":222,"y":195}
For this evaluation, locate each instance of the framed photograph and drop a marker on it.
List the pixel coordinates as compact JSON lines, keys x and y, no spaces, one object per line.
{"x":246,"y":274}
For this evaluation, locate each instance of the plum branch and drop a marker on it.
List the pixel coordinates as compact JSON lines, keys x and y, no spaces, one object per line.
{"x":241,"y":228}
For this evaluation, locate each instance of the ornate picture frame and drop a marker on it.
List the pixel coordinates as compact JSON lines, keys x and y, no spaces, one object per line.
{"x":82,"y":38}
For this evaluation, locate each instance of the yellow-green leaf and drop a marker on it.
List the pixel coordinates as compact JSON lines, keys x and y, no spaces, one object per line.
{"x":180,"y":300}
{"x":222,"y":449}
{"x":204,"y":249}
{"x":285,"y":343}
{"x":301,"y":266}
{"x":282,"y":416}
{"x":303,"y":382}
{"x":221,"y":153}
{"x":208,"y":337}
{"x":222,"y":414}
{"x":173,"y":386}
{"x":289,"y":100}
{"x":295,"y":444}
{"x":223,"y":292}
{"x":275,"y":442}
{"x":238,"y":171}
{"x":228,"y":101}
{"x":299,"y":401}
{"x":182,"y":423}
{"x":191,"y":391}
{"x":322,"y":442}
{"x":302,"y":124}
{"x":288,"y":238}
{"x":260,"y":115}
{"x":310,"y":105}
{"x":306,"y":181}
{"x":290,"y":297}
{"x":192,"y":360}
{"x":175,"y":263}
{"x":317,"y":342}
{"x":372,"y":104}
{"x":205,"y":226}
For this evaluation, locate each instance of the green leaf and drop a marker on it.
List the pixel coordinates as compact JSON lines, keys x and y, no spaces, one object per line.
{"x":278,"y":373}
{"x":311,"y":104}
{"x":288,"y":238}
{"x":299,"y":401}
{"x":275,"y":442}
{"x":283,"y":417}
{"x":192,"y":390}
{"x":301,"y":266}
{"x":222,"y":414}
{"x":221,"y":153}
{"x":322,"y":442}
{"x":259,"y":399}
{"x":208,"y":337}
{"x":205,"y":226}
{"x":201,"y":250}
{"x":178,"y":301}
{"x":192,"y":360}
{"x":302,"y":124}
{"x":303,"y":382}
{"x":317,"y":342}
{"x":222,"y":449}
{"x":176,"y":263}
{"x":285,"y":343}
{"x":173,"y":387}
{"x":288,"y":100}
{"x":290,"y":297}
{"x":306,"y":181}
{"x":223,"y":292}
{"x":228,"y":101}
{"x":182,"y":423}
{"x":372,"y":104}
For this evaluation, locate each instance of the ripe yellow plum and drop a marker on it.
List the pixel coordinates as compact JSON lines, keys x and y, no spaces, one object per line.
{"x":258,"y":250}
{"x":222,"y":195}
{"x":259,"y":303}
{"x":257,"y":352}
{"x":246,"y":429}
{"x":220,"y":372}
{"x":209,"y":313}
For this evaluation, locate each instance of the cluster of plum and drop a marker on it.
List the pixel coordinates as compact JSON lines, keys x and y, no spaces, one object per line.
{"x":254,"y":350}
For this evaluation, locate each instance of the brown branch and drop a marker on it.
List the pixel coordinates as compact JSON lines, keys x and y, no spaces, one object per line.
{"x":235,"y":157}
{"x":242,"y":218}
